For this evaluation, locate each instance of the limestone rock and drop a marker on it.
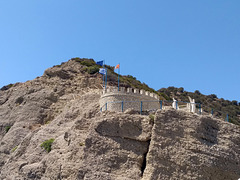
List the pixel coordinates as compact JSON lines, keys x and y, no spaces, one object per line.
{"x":185,"y":146}
{"x":63,"y":105}
{"x":130,"y":111}
{"x":115,"y":147}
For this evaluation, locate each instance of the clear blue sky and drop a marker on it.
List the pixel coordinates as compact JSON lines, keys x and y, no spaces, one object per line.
{"x":190,"y":44}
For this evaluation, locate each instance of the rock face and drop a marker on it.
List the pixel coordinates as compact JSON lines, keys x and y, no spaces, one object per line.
{"x":187,"y":146}
{"x":121,"y":142}
{"x":47,"y":107}
{"x":63,"y":105}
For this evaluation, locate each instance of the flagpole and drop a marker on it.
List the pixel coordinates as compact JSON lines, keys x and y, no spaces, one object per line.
{"x":118,"y":75}
{"x":106,"y":80}
{"x":103,"y":74}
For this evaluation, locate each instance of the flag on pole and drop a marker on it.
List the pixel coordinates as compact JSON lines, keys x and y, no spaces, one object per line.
{"x":99,"y":63}
{"x":118,"y":67}
{"x":102,"y":71}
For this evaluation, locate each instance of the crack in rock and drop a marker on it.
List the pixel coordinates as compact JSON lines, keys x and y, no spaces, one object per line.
{"x":144,"y":163}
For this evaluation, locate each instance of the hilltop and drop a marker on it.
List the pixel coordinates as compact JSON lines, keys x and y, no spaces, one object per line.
{"x":88,"y":67}
{"x":52,"y":128}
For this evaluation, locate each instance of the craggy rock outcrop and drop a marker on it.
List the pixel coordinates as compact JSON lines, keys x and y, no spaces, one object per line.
{"x":189,"y":146}
{"x":68,"y":129}
{"x":44,"y":108}
{"x":63,"y":105}
{"x":115,"y":147}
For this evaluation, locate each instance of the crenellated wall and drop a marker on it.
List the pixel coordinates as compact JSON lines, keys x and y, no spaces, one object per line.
{"x":128,"y":98}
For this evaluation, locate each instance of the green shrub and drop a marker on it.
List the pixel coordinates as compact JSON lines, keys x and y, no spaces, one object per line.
{"x":131,"y":77}
{"x":77,"y":59}
{"x":84,"y":61}
{"x":181,"y":89}
{"x":197,"y":92}
{"x":212,"y":96}
{"x":85,"y":69}
{"x":93,"y":69}
{"x":88,"y":63}
{"x":14,"y":149}
{"x":164,"y":95}
{"x":81,"y":144}
{"x":57,"y":65}
{"x":7,"y":128}
{"x":111,"y":68}
{"x":4,"y":88}
{"x":151,"y":116}
{"x":47,"y":145}
{"x":234,"y":102}
{"x":47,"y":122}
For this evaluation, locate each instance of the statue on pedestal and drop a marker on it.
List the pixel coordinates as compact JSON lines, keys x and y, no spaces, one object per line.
{"x":191,"y":105}
{"x":174,"y":103}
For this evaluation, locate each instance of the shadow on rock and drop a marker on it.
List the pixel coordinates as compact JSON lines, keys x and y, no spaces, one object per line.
{"x":208,"y":131}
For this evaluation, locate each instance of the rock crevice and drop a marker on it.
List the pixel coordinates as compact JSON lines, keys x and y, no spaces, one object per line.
{"x":144,"y":162}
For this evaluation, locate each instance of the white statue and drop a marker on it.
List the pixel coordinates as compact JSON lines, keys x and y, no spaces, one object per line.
{"x":174,"y":103}
{"x":192,"y":105}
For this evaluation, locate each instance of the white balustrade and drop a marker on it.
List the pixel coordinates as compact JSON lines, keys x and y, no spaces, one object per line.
{"x":142,"y":92}
{"x":115,"y":89}
{"x":136,"y":91}
{"x":122,"y":89}
{"x":129,"y":90}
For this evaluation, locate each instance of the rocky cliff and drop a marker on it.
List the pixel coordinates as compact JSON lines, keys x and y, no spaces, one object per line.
{"x":63,"y":105}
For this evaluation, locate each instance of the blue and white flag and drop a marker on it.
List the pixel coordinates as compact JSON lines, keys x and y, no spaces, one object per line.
{"x":99,"y":63}
{"x":102,"y":71}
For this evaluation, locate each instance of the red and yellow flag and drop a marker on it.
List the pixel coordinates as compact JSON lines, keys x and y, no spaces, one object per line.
{"x":117,"y":66}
